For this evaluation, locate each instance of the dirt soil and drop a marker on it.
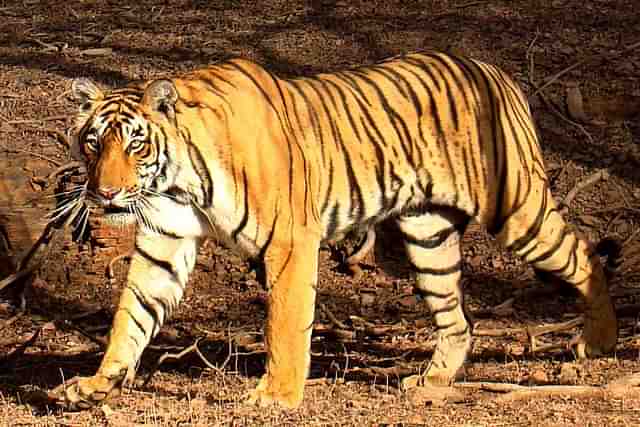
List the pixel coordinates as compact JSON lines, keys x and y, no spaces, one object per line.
{"x":386,"y":330}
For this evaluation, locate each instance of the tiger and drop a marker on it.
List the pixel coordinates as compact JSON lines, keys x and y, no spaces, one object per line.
{"x":276,"y":166}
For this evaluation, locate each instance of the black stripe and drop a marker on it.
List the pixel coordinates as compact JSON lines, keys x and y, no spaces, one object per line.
{"x":257,"y":84}
{"x":345,"y":107}
{"x":470,"y":187}
{"x":358,"y":204}
{"x":135,"y":322}
{"x":396,"y":120}
{"x":465,"y":331}
{"x":451,"y":306}
{"x":313,"y":116}
{"x":219,"y":76}
{"x":135,"y":289}
{"x":245,"y":206}
{"x":126,"y":116}
{"x":432,"y":103}
{"x":572,"y":257}
{"x":552,"y":249}
{"x":200,"y":167}
{"x":428,"y":293}
{"x":380,"y":165}
{"x":462,"y":87}
{"x":291,"y":140}
{"x":353,"y":86}
{"x":433,"y":241}
{"x":164,"y":264}
{"x":327,"y":197}
{"x":211,"y":85}
{"x":267,"y":242}
{"x":333,"y":225}
{"x":533,"y":229}
{"x":426,"y":68}
{"x":438,"y":271}
{"x":507,"y":122}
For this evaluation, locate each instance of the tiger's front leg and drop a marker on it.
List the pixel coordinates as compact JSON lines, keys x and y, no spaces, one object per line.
{"x":160,"y":267}
{"x":292,"y":275}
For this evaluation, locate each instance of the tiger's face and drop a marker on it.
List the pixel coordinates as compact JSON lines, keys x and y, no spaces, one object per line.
{"x":125,"y":148}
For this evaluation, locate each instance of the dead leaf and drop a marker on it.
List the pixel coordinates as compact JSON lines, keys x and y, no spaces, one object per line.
{"x":575,"y":105}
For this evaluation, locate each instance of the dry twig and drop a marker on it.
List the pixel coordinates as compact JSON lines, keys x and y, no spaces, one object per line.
{"x":332,"y":317}
{"x":125,"y":256}
{"x":71,"y":166}
{"x":193,"y":348}
{"x":581,"y":185}
{"x":23,"y":347}
{"x":545,"y":101}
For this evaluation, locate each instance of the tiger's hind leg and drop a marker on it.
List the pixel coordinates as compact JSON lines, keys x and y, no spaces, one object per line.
{"x":538,"y":234}
{"x":432,"y":242}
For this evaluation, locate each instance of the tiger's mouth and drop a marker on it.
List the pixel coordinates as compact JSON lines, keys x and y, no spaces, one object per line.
{"x":117,"y":215}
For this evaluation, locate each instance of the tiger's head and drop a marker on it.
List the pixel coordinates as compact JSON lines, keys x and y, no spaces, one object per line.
{"x":123,"y":136}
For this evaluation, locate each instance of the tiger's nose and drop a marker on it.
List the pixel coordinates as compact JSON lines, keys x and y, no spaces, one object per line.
{"x":108,"y":193}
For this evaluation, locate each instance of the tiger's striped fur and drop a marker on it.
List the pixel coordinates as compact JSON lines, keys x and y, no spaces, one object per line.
{"x":276,"y":166}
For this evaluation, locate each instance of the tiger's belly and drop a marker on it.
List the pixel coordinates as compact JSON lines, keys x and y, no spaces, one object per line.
{"x":415,"y":192}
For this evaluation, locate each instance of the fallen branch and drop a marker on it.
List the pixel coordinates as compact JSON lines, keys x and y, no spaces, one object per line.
{"x":581,"y":185}
{"x":332,"y":317}
{"x":22,"y":348}
{"x":71,"y":166}
{"x":33,"y":258}
{"x":622,"y":387}
{"x":193,"y":348}
{"x":15,"y":277}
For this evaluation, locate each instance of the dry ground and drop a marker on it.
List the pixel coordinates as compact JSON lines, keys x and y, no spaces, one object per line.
{"x":44,"y":44}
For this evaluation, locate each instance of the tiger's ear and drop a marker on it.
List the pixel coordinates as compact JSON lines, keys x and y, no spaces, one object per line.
{"x":161,"y":96}
{"x":86,"y":92}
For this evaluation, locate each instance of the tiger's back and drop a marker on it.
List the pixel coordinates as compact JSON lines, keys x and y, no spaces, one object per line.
{"x":416,"y":130}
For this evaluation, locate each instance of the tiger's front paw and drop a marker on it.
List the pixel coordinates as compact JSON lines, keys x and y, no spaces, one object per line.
{"x":83,"y":393}
{"x":266,"y":393}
